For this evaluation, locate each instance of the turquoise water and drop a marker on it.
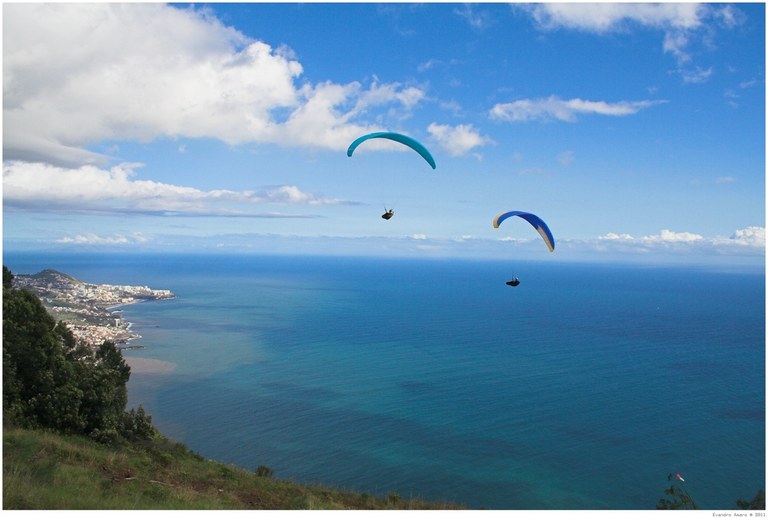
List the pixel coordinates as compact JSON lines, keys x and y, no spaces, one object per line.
{"x":580,"y":389}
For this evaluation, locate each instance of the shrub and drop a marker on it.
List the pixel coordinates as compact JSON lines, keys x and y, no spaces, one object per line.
{"x":264,"y":471}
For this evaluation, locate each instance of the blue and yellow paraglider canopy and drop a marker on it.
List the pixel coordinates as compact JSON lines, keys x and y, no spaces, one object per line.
{"x":534,"y":220}
{"x":397,"y":137}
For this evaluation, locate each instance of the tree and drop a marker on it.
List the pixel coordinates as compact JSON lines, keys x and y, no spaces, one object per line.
{"x":680,"y":499}
{"x":37,"y":378}
{"x":53,"y":382}
{"x":7,"y":278}
{"x":105,"y":395}
{"x":137,"y":425}
{"x":757,"y":503}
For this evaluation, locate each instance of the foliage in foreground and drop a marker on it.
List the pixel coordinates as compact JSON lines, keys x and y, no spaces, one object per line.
{"x":52,"y":382}
{"x":678,"y":498}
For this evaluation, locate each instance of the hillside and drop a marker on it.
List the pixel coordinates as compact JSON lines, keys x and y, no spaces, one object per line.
{"x":44,"y":470}
{"x":52,"y":277}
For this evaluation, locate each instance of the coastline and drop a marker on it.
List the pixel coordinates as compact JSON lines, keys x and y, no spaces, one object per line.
{"x":115,"y":308}
{"x":124,"y":344}
{"x":91,"y":311}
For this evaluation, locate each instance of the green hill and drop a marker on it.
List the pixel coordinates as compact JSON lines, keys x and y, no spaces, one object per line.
{"x":52,"y":276}
{"x":45,"y":470}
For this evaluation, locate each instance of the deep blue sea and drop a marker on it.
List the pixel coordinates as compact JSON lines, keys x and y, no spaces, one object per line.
{"x":582,"y":388}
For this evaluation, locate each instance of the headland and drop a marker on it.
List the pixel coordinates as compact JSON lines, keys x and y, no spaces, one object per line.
{"x":89,"y":310}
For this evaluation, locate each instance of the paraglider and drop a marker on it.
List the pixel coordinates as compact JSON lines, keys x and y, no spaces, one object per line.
{"x":397,"y":137}
{"x":402,"y":139}
{"x":534,"y":220}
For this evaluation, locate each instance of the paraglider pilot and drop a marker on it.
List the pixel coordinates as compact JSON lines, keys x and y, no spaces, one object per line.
{"x":513,"y":282}
{"x":388,"y":213}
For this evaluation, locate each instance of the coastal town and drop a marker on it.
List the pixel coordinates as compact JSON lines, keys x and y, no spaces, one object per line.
{"x":89,"y":310}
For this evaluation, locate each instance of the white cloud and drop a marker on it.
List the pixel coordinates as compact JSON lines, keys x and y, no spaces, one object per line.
{"x":696,"y":75}
{"x":682,"y":24}
{"x":565,"y":110}
{"x":675,"y":43}
{"x":747,"y":238}
{"x":611,"y":236}
{"x":89,"y":188}
{"x":605,"y":17}
{"x":407,"y":97}
{"x":477,"y":19}
{"x":750,"y":236}
{"x":457,"y":140}
{"x":140,"y":71}
{"x":665,"y":236}
{"x":93,"y":239}
{"x":729,"y":16}
{"x":669,"y":236}
{"x":749,"y":84}
{"x":428,"y":65}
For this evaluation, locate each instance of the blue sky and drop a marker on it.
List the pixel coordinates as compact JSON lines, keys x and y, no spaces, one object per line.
{"x":636,"y":131}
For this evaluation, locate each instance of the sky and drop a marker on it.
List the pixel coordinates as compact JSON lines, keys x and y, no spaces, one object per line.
{"x":636,"y":131}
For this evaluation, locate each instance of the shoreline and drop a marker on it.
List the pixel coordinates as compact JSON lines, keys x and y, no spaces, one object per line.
{"x":125,"y":344}
{"x":93,"y":312}
{"x":115,"y":308}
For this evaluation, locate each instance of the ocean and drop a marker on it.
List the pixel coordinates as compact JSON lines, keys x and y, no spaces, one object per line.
{"x":581,"y":388}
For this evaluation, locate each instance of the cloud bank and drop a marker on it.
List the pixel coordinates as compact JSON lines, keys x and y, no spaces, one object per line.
{"x":142,"y":71}
{"x":44,"y":187}
{"x":93,"y":239}
{"x":750,"y":239}
{"x":744,"y":246}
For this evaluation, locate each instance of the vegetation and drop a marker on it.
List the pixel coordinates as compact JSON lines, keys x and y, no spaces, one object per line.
{"x":758,"y":502}
{"x":52,"y":382}
{"x":68,"y":442}
{"x":678,"y":498}
{"x":47,"y":470}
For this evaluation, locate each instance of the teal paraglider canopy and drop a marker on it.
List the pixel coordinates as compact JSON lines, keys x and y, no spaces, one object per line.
{"x":397,"y":137}
{"x":534,"y":220}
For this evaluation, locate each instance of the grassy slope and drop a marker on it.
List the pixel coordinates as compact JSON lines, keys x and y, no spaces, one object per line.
{"x":43,"y":470}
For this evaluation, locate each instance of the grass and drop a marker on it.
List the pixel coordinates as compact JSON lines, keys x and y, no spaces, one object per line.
{"x":45,"y":470}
